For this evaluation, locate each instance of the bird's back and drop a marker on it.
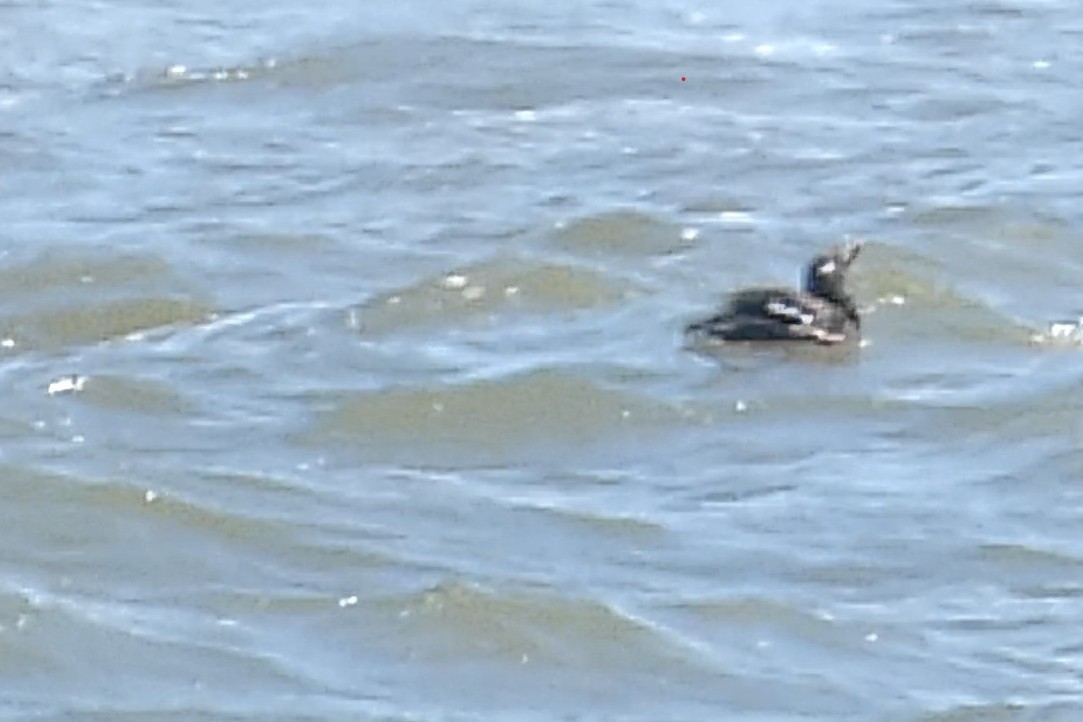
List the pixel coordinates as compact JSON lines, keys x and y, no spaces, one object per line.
{"x":770,"y":314}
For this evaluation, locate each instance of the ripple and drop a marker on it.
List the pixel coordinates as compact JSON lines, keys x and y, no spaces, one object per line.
{"x":107,"y":321}
{"x":770,"y":617}
{"x":454,"y":618}
{"x":933,"y":308}
{"x":624,"y":233}
{"x":143,"y":396}
{"x":479,"y":292}
{"x":62,"y":268}
{"x":610,"y":525}
{"x":537,"y":409}
{"x":988,"y":712}
{"x":1019,"y":556}
{"x":63,"y":298}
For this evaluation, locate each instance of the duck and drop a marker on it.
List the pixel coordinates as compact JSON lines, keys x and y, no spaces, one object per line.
{"x":822,"y":312}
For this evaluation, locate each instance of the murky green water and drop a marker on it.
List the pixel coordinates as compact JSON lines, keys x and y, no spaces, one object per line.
{"x":343,"y":375}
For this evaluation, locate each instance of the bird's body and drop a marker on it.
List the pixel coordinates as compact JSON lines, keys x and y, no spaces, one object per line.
{"x":823,"y":312}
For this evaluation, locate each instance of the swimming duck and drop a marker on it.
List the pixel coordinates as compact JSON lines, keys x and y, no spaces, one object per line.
{"x":823,"y":312}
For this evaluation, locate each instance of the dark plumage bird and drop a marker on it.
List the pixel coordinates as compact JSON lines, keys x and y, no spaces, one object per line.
{"x":823,"y":312}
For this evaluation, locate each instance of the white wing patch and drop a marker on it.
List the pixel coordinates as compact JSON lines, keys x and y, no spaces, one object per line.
{"x":790,"y":312}
{"x":828,"y":267}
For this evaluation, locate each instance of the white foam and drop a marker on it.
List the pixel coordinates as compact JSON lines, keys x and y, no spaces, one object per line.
{"x":66,"y":385}
{"x":455,"y":282}
{"x":736,"y":217}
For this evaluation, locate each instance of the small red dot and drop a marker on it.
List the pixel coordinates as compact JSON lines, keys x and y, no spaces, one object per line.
{"x":683,"y":78}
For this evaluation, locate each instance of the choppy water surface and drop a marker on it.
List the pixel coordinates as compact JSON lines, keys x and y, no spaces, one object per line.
{"x":343,"y":375}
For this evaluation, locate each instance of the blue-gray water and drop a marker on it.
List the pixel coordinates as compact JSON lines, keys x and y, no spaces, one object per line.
{"x":381,"y":409}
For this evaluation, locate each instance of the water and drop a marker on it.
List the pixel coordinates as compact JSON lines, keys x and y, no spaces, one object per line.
{"x":343,"y":375}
